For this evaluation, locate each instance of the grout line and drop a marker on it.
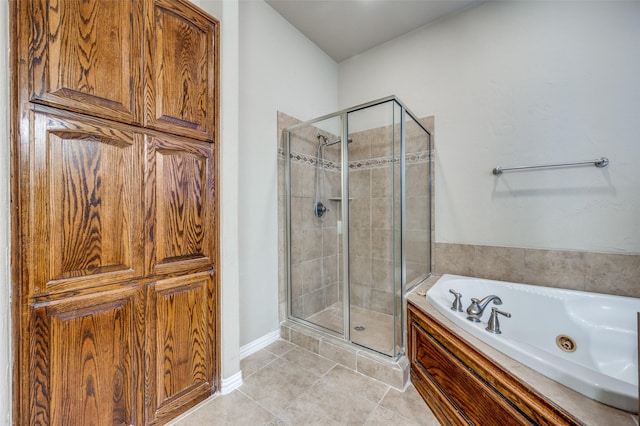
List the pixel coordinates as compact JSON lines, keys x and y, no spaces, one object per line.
{"x":282,"y":354}
{"x":262,"y":406}
{"x":277,"y":415}
{"x":261,"y":368}
{"x":385,"y":394}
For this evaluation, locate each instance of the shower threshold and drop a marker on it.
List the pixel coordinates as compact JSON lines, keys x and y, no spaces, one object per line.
{"x":391,"y":371}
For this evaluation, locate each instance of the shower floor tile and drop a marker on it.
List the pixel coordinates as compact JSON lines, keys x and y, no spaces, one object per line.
{"x":378,"y":327}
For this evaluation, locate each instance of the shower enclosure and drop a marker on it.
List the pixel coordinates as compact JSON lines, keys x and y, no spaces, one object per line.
{"x":358,"y":221}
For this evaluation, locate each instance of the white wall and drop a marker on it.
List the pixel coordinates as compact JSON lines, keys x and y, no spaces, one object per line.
{"x":5,"y":224}
{"x":280,"y":70}
{"x":228,"y":14}
{"x":517,"y":83}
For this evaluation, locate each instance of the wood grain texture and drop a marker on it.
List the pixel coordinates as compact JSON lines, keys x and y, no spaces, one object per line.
{"x":94,"y":310}
{"x":86,"y":56}
{"x":86,"y":214}
{"x":180,"y":197}
{"x":181,"y":64}
{"x":462,"y":386}
{"x":180,"y":344}
{"x":88,"y":353}
{"x":469,"y":395}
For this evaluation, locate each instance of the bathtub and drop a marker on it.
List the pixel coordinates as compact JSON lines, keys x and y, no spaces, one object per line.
{"x":604,"y":363}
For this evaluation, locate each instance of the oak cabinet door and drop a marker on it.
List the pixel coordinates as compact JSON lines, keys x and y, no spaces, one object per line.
{"x":180,"y":70}
{"x":86,"y":56}
{"x":86,"y":210}
{"x":180,"y":344}
{"x":180,"y":202}
{"x":87,"y":360}
{"x":116,"y":215}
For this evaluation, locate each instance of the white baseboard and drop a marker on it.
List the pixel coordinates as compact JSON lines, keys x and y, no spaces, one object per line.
{"x":256,"y":345}
{"x":230,"y":384}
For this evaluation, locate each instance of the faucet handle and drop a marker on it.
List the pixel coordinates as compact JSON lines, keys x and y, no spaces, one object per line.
{"x":456,"y":305}
{"x":493,"y":326}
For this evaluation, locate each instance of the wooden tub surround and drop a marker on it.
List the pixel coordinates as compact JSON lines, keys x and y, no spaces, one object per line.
{"x":462,"y":386}
{"x":466,"y":381}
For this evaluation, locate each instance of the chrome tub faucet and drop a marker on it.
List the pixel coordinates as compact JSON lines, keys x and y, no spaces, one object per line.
{"x":475,"y":310}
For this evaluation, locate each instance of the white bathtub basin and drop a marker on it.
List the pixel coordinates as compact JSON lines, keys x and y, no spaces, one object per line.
{"x":604,"y":365}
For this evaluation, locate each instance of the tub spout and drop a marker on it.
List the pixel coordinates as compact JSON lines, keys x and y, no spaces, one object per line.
{"x":475,"y":310}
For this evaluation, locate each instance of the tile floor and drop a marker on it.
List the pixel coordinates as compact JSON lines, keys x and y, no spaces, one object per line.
{"x":287,"y":385}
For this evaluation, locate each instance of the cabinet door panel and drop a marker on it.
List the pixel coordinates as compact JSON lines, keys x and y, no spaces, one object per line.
{"x":87,"y":352}
{"x":86,"y":56}
{"x":180,"y":200}
{"x":181,"y":343}
{"x":87,"y":213}
{"x":180,"y":71}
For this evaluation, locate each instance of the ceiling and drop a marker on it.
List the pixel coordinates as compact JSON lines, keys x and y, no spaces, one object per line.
{"x":344,"y":28}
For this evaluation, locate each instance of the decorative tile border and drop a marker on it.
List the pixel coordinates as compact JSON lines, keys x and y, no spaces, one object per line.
{"x":375,"y":163}
{"x":370,"y":163}
{"x":310,"y":160}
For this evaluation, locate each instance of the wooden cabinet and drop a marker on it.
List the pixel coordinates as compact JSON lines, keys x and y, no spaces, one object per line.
{"x":86,"y":56}
{"x":181,"y":348}
{"x":93,"y":56}
{"x":87,"y":358}
{"x":116,"y":312}
{"x":181,"y":200}
{"x":85,"y":186}
{"x":180,"y":89}
{"x":462,"y":386}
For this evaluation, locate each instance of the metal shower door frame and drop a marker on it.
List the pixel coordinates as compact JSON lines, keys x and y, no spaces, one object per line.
{"x":346,"y":302}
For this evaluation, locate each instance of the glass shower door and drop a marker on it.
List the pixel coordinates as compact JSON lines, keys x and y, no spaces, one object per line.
{"x":314,"y":182}
{"x":374,"y":173}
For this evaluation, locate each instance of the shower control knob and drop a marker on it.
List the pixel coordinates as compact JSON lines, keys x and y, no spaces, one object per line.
{"x":319,"y":209}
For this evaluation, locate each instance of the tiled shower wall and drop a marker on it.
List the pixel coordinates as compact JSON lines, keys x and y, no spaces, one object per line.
{"x":371,"y":240}
{"x":373,"y":207}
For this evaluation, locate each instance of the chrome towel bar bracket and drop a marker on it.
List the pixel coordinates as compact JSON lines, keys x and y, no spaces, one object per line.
{"x":598,"y":162}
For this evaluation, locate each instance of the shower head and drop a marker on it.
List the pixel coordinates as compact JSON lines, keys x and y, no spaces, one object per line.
{"x":325,"y":140}
{"x":323,"y":137}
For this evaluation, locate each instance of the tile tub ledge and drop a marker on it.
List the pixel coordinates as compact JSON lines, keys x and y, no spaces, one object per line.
{"x":587,"y":410}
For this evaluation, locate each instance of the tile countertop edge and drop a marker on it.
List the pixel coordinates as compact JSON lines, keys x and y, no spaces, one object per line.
{"x":585,"y":409}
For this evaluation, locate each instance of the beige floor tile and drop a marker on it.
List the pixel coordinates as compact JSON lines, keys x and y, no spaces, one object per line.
{"x":291,"y":390}
{"x":409,"y":404}
{"x":255,"y":362}
{"x":324,"y":404}
{"x":277,"y":422}
{"x":280,"y":347}
{"x":277,"y":384}
{"x":309,"y":361}
{"x":384,"y":417}
{"x":350,"y":382}
{"x":232,"y":409}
